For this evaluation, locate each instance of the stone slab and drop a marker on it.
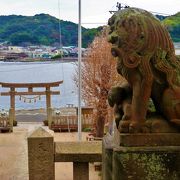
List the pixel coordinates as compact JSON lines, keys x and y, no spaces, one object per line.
{"x":78,"y":151}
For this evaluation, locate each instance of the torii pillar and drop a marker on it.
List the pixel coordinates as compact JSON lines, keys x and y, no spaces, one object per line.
{"x":48,"y":106}
{"x":12,"y":107}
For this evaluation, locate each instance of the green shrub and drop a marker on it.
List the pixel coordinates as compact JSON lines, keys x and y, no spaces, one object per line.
{"x":57,"y":56}
{"x":87,"y":129}
{"x":45,"y":122}
{"x":14,"y":123}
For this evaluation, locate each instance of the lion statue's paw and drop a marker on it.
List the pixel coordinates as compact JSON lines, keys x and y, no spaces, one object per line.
{"x":138,"y":127}
{"x":124,"y":126}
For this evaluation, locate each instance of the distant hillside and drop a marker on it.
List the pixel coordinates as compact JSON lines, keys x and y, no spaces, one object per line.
{"x":173,"y":25}
{"x":42,"y":29}
{"x":161,"y":17}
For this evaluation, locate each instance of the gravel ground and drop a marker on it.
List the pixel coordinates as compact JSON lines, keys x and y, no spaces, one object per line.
{"x":13,"y":154}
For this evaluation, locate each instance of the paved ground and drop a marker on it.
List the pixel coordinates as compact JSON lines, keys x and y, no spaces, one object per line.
{"x":13,"y":154}
{"x":38,"y":115}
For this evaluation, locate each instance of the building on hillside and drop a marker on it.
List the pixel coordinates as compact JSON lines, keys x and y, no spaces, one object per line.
{"x":12,"y":56}
{"x":16,"y":49}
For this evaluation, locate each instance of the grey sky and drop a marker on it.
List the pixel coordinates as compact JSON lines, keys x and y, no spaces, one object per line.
{"x":93,"y":11}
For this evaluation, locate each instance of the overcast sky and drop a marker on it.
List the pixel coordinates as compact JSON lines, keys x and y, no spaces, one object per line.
{"x":94,"y":12}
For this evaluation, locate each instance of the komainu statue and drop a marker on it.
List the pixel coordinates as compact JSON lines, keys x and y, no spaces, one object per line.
{"x":146,"y":58}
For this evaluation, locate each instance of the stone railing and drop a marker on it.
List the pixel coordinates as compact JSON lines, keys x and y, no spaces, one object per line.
{"x":43,"y":152}
{"x":6,"y":124}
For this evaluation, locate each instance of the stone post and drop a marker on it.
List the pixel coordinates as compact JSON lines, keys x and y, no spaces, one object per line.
{"x":80,"y":170}
{"x":41,"y":155}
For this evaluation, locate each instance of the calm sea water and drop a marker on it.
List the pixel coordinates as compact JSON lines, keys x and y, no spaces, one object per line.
{"x":40,"y":72}
{"x":178,"y":51}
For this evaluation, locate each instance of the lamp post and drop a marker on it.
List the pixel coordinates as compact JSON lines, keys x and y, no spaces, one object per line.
{"x":79,"y":73}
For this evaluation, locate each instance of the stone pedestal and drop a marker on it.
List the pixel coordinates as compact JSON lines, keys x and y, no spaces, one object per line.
{"x":141,"y":157}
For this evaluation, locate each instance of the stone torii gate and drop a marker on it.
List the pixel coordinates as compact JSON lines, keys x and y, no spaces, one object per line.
{"x":12,"y":93}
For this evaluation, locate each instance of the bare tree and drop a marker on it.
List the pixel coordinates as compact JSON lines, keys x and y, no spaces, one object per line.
{"x":98,"y":76}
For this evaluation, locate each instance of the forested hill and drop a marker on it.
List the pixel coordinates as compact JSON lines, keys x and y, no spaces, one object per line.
{"x":42,"y":29}
{"x":173,"y":25}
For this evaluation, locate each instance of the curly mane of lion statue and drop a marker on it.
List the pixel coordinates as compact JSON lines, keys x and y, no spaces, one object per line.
{"x":146,"y":58}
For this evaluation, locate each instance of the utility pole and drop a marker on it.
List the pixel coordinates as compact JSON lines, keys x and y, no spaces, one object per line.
{"x":79,"y":72}
{"x":119,"y":7}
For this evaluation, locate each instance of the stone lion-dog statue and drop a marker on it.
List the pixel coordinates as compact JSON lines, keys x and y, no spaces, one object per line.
{"x":146,"y":58}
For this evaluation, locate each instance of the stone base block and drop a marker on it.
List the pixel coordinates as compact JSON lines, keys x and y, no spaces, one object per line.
{"x":140,"y":163}
{"x":146,"y":163}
